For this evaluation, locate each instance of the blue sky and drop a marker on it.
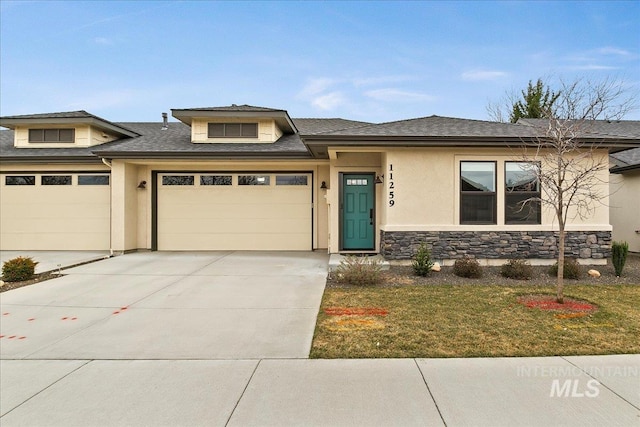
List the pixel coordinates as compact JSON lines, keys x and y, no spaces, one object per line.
{"x":372,"y":61}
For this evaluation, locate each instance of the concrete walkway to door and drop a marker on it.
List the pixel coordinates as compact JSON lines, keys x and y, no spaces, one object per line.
{"x":171,"y":305}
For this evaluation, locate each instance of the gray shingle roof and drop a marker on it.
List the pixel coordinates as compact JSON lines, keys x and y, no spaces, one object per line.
{"x":436,"y":126}
{"x":82,"y":115}
{"x":626,"y":160}
{"x":176,"y":141}
{"x":231,"y":108}
{"x":310,"y":126}
{"x":7,"y":150}
{"x":600,"y":128}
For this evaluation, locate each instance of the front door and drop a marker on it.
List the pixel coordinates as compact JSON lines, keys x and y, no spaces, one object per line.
{"x":357,"y":212}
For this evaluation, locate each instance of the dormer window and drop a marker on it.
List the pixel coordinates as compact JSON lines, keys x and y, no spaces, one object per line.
{"x":52,"y":135}
{"x":232,"y":130}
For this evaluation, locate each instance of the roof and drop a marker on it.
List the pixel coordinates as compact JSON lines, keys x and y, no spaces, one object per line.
{"x":436,"y":126}
{"x":625,"y":160}
{"x":176,"y":142}
{"x":600,"y":128}
{"x":305,"y":137}
{"x":310,"y":126}
{"x":71,"y":117}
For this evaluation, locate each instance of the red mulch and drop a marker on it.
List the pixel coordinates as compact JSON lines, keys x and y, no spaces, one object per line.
{"x":548,"y":302}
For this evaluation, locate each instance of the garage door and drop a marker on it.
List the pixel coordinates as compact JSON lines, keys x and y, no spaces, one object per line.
{"x":62,"y":211}
{"x":234,"y":211}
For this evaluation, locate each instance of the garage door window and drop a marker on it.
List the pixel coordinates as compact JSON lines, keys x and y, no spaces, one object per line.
{"x":215,"y":180}
{"x":93,"y":179}
{"x":20,"y":180}
{"x":56,"y":180}
{"x":254,"y":180}
{"x":291,"y":180}
{"x":177,"y":180}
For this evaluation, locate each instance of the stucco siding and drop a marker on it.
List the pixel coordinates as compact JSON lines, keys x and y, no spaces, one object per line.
{"x":625,"y":208}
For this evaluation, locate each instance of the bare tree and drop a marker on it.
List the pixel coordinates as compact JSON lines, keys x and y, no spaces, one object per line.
{"x":567,"y":154}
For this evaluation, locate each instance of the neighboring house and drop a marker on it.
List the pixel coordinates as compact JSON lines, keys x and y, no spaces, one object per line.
{"x":625,"y":197}
{"x":252,"y":178}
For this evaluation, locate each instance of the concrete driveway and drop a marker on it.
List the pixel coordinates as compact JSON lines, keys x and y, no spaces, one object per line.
{"x":169,"y":305}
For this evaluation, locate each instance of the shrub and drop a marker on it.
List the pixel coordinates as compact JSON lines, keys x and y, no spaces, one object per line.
{"x":18,"y":269}
{"x":517,"y":269}
{"x":619,"y":251}
{"x":422,"y":262}
{"x":467,"y":267}
{"x":360,"y":271}
{"x":571,"y":269}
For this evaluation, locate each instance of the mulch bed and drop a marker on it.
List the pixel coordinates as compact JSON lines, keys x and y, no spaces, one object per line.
{"x":36,"y":279}
{"x":404,"y":276}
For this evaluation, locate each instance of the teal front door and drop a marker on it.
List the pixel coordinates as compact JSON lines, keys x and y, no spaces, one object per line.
{"x":357,"y":212}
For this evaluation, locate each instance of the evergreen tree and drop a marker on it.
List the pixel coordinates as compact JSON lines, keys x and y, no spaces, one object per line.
{"x":536,"y":103}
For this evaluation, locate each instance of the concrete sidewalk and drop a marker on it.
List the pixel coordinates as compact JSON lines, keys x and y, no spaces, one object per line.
{"x":570,"y":391}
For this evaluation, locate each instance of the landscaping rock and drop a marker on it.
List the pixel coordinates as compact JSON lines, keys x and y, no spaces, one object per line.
{"x":593,"y":273}
{"x":436,"y":267}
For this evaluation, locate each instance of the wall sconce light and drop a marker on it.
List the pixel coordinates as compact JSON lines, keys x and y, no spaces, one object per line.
{"x":142,"y":185}
{"x":378,"y":179}
{"x":323,"y":186}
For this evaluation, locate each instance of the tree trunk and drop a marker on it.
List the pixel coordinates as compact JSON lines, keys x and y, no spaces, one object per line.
{"x":559,"y":291}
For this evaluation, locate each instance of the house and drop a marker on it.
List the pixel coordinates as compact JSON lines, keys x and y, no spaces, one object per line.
{"x":251,"y":178}
{"x":625,"y":196}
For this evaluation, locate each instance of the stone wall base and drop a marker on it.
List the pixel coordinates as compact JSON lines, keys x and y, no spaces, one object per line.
{"x":451,"y":245}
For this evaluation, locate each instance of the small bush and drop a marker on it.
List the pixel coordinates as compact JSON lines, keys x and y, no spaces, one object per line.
{"x":619,"y":251}
{"x":359,"y":271}
{"x":517,"y":269}
{"x":467,"y":267}
{"x":18,"y":269}
{"x":422,"y":262}
{"x":571,"y":269}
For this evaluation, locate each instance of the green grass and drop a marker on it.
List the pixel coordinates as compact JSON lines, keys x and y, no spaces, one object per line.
{"x":474,"y":321}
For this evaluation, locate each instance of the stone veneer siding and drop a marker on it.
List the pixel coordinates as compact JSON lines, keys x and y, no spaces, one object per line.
{"x":397,"y":245}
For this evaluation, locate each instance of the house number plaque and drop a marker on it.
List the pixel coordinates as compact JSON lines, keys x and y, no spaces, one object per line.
{"x":391,"y":186}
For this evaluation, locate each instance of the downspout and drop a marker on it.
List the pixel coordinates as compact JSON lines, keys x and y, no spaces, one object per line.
{"x":108,"y":164}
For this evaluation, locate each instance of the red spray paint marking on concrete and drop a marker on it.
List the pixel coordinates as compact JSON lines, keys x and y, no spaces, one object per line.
{"x":31,"y":319}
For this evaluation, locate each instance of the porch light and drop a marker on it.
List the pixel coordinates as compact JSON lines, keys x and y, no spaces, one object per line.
{"x":142,"y":185}
{"x":323,"y":186}
{"x":378,"y":179}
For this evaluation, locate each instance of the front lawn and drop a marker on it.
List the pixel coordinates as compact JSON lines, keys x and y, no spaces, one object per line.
{"x":473,"y":321}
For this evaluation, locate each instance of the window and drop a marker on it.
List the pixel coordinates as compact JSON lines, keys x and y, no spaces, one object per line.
{"x":291,"y":180}
{"x":20,"y":180}
{"x":254,"y":180}
{"x":478,"y":193}
{"x":51,"y":135}
{"x":522,"y":193}
{"x":56,"y":180}
{"x":177,"y":180}
{"x":215,"y":180}
{"x":232,"y":130}
{"x":357,"y":182}
{"x":93,"y":179}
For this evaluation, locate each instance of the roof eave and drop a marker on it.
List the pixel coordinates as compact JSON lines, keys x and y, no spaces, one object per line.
{"x":281,"y":117}
{"x":50,"y":159}
{"x":100,"y":124}
{"x":200,"y":156}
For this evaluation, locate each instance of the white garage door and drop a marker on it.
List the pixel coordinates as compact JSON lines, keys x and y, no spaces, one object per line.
{"x":55,"y":211}
{"x":234,"y":211}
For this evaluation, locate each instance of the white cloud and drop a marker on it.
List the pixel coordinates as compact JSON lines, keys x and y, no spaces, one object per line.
{"x":315,"y":86}
{"x":479,"y":75}
{"x":609,"y":50}
{"x":329,"y":101}
{"x":103,"y":41}
{"x":593,"y":67}
{"x":370,"y":81}
{"x":392,"y":94}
